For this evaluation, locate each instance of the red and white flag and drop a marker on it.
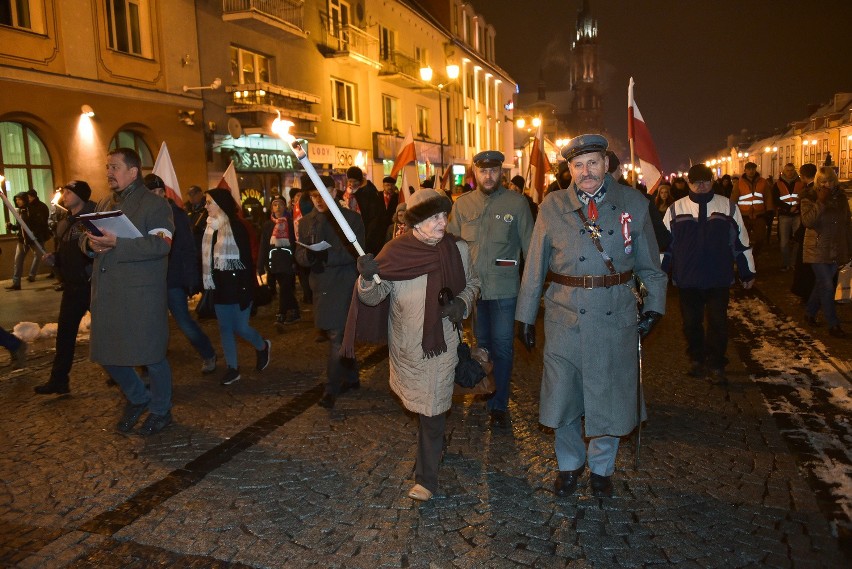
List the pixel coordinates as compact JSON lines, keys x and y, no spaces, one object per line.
{"x":164,"y":168}
{"x":229,"y":182}
{"x":642,"y":144}
{"x":445,"y":177}
{"x":539,"y":166}
{"x":406,"y":153}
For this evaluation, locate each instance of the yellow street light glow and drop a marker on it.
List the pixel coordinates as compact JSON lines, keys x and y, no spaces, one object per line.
{"x":426,"y":73}
{"x":767,"y":149}
{"x":536,"y":122}
{"x":520,"y":123}
{"x":453,"y":71}
{"x":774,"y":149}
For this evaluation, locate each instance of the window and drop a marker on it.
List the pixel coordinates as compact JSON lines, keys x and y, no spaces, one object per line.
{"x":422,"y":122}
{"x":422,"y":56}
{"x":467,"y":28}
{"x":387,"y":43}
{"x":131,"y":139}
{"x":389,"y":113}
{"x":128,"y":26}
{"x":344,"y":101}
{"x":25,"y":14}
{"x":459,"y":131}
{"x":338,"y":21}
{"x":248,"y":67}
{"x":25,"y":163}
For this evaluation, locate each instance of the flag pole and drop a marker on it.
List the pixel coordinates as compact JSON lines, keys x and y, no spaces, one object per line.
{"x":630,"y":134}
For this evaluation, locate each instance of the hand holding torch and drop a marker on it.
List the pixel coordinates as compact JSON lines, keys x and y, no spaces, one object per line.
{"x":17,"y":216}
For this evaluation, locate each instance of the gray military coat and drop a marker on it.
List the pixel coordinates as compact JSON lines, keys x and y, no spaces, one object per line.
{"x":130,"y":325}
{"x":590,"y":350}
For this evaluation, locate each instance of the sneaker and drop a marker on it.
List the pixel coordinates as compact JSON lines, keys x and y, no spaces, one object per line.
{"x":50,"y":388}
{"x":154,"y":424}
{"x":19,"y":356}
{"x":263,"y":356}
{"x":208,"y":365}
{"x":231,"y":376}
{"x":131,"y":416}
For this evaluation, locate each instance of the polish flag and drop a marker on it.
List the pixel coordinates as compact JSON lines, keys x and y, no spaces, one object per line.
{"x":164,"y":168}
{"x":445,"y":177}
{"x":642,"y":144}
{"x":229,"y":182}
{"x":540,"y":165}
{"x":406,"y":153}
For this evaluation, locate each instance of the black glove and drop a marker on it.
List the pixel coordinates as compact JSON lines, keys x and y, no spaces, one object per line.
{"x":526,"y":334}
{"x":454,"y":310}
{"x":367,"y":266}
{"x":649,"y":320}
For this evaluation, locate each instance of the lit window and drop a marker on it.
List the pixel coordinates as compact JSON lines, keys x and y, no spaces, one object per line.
{"x":25,"y":163}
{"x":422,"y":122}
{"x":389,"y":113}
{"x":131,"y":139}
{"x":344,"y":101}
{"x":248,"y":67}
{"x":129,"y":26}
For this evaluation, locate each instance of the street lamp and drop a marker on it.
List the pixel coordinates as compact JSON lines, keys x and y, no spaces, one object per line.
{"x":426,"y":74}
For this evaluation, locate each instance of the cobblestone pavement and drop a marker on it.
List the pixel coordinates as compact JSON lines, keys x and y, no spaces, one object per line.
{"x":257,"y":475}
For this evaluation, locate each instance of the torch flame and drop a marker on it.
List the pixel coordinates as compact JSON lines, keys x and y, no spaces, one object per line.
{"x":56,"y":196}
{"x":281,"y":128}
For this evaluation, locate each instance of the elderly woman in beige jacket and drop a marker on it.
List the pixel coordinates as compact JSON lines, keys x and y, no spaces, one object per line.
{"x":415,"y":268}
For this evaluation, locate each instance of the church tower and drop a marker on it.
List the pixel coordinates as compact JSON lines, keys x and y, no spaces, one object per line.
{"x":586,"y":110}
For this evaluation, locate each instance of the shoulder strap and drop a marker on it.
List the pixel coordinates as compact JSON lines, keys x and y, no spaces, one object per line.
{"x":594,"y":231}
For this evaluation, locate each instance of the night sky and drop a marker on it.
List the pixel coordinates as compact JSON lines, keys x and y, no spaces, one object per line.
{"x":703,"y":70}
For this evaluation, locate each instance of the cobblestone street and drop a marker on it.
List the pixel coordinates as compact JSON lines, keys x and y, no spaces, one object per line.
{"x":257,"y":475}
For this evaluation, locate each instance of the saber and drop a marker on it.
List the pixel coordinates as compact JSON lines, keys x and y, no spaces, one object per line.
{"x":282,"y":129}
{"x":638,"y":410}
{"x":17,"y":216}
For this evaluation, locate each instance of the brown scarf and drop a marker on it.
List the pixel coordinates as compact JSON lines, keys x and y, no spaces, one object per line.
{"x":401,"y":259}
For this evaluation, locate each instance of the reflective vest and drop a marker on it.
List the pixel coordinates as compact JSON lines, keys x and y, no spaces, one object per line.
{"x":752,"y":199}
{"x":789,"y":197}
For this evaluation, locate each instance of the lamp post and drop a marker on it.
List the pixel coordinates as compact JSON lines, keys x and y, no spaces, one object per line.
{"x":452,"y":74}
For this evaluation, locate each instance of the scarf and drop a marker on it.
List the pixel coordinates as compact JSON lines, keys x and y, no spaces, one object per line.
{"x":281,"y":229}
{"x":399,"y":229}
{"x":405,"y":258}
{"x":224,"y":255}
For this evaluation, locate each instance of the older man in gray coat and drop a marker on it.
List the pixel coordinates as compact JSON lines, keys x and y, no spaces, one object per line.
{"x":129,"y":311}
{"x":590,"y":321}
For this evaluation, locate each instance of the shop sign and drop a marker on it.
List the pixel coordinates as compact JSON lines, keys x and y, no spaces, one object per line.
{"x":346,"y":157}
{"x":249,"y":195}
{"x":321,"y":153}
{"x":258,"y":160}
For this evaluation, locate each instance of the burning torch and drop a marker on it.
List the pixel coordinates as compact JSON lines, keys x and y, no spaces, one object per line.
{"x":17,"y":216}
{"x":282,"y":129}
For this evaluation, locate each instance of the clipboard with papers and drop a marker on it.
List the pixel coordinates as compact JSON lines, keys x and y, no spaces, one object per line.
{"x":112,"y":221}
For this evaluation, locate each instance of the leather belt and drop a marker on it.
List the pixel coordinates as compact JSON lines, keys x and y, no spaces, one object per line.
{"x":591,"y":281}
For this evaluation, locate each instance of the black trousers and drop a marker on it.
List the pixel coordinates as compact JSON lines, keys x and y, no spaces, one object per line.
{"x":286,"y":285}
{"x":430,"y":445}
{"x":74,"y":305}
{"x":339,"y":370}
{"x":695,"y":304}
{"x":304,"y":274}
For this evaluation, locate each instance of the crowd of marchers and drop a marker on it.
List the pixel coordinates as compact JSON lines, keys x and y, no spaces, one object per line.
{"x":600,"y":251}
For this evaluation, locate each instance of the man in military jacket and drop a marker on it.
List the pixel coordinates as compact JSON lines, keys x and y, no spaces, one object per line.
{"x":497,"y":224}
{"x":590,"y":321}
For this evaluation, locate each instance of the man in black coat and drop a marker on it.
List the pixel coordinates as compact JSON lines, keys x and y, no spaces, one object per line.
{"x":35,"y":214}
{"x":369,"y":204}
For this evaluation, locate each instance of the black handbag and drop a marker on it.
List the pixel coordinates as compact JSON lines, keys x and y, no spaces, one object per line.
{"x":469,"y":372}
{"x":262,"y":295}
{"x":204,"y":309}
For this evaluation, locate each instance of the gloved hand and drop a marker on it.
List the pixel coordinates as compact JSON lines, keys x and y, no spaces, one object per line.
{"x":526,"y":334}
{"x":367,"y":266}
{"x":649,"y":320}
{"x":454,"y":310}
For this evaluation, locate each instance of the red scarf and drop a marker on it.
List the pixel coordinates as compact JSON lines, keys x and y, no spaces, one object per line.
{"x":282,"y":228}
{"x":401,"y":259}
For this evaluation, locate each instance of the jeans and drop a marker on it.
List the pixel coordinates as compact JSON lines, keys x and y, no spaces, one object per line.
{"x":160,"y":375}
{"x":430,"y":445}
{"x":787,"y":227}
{"x":494,"y":329}
{"x":180,"y":311}
{"x":21,"y":252}
{"x":232,"y":321}
{"x":286,"y":284}
{"x":571,"y":450}
{"x":74,"y":305}
{"x":695,"y":304}
{"x":339,"y":370}
{"x":822,"y":295}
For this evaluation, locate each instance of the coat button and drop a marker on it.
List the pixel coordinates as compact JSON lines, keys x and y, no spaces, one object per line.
{"x":582,"y":258}
{"x":612,"y":207}
{"x":610,"y":231}
{"x":582,"y":311}
{"x":609,"y":312}
{"x":103,"y":269}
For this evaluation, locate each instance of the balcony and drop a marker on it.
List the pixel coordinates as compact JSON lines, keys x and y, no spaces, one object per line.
{"x":352,"y":44}
{"x":401,"y":69}
{"x":266,"y":15}
{"x":257,"y":104}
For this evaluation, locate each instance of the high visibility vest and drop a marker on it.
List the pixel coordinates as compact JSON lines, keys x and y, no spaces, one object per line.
{"x":753,"y":199}
{"x":790,"y":197}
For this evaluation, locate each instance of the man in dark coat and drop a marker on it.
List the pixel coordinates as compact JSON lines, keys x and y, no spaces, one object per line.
{"x":390,"y":196}
{"x":183,"y":278}
{"x":75,"y":269}
{"x":130,"y":325}
{"x":368,"y":203}
{"x":38,"y":225}
{"x":590,"y":321}
{"x":333,"y":275}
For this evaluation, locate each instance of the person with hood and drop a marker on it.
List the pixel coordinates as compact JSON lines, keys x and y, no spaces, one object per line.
{"x":427,"y":288}
{"x":277,"y":242}
{"x":75,"y":270}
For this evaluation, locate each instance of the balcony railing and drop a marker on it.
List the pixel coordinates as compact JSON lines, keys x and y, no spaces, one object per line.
{"x":257,"y":102}
{"x":287,"y":15}
{"x":354,"y":42}
{"x":397,"y":62}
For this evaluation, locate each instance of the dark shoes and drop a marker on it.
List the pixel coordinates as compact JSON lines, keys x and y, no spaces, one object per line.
{"x":154,"y":424}
{"x":31,"y":279}
{"x":327,"y":401}
{"x":14,"y":286}
{"x":566,"y":482}
{"x":837,"y":332}
{"x":499,"y":419}
{"x":718,"y":376}
{"x":230,"y":376}
{"x":19,"y":357}
{"x":50,"y":388}
{"x":811,"y":321}
{"x":208,"y":365}
{"x":263,"y":356}
{"x":347,"y":386}
{"x":131,"y":416}
{"x":601,"y":485}
{"x":696,"y":369}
